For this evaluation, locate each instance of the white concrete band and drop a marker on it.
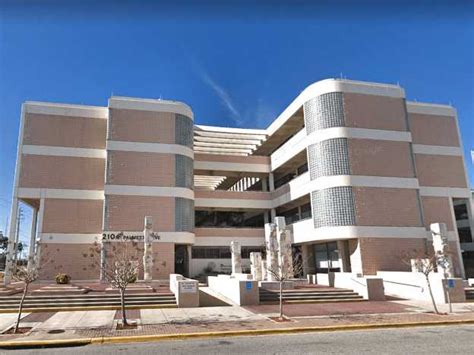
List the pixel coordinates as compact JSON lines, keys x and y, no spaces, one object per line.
{"x":224,"y":166}
{"x":27,"y":192}
{"x":261,"y":132}
{"x":225,"y":241}
{"x":430,"y":109}
{"x":458,"y":192}
{"x":436,"y":150}
{"x":358,"y":133}
{"x":74,"y":111}
{"x":150,"y":148}
{"x":133,"y":190}
{"x":326,"y":182}
{"x":78,"y":238}
{"x":133,"y":103}
{"x":64,"y":151}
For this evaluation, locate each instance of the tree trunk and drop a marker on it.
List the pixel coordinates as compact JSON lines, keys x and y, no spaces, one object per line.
{"x":431,"y":294}
{"x":20,"y":307}
{"x":281,"y":299}
{"x":122,"y":305}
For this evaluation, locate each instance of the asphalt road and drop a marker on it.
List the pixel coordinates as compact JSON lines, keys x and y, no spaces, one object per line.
{"x":429,"y":340}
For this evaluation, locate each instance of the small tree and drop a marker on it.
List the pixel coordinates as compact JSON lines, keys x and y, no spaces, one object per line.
{"x":282,"y":273}
{"x":425,"y":263}
{"x":120,"y":268}
{"x":25,"y":275}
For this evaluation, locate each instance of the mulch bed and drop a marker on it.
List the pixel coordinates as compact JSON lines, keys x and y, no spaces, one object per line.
{"x":21,"y":330}
{"x":38,"y":317}
{"x":130,"y":313}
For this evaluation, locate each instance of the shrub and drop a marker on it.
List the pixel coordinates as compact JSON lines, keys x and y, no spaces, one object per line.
{"x":62,"y":279}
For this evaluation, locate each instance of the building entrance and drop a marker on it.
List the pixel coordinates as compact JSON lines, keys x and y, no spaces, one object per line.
{"x":326,"y":257}
{"x":181,"y":260}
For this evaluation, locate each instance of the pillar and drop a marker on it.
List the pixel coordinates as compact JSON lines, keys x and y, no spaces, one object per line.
{"x":147,"y":252}
{"x":235,"y":250}
{"x":264,"y":184}
{"x":271,"y":244}
{"x":439,"y":233}
{"x":271,"y":182}
{"x":39,"y":230}
{"x":285,"y":256}
{"x":31,"y":248}
{"x":307,"y":254}
{"x":11,"y":241}
{"x":256,"y":265}
{"x":103,"y":261}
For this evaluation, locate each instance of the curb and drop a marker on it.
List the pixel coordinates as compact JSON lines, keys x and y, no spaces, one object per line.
{"x":231,"y":333}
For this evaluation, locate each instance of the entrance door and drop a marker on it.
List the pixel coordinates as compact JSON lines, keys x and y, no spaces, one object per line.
{"x":327,"y":258}
{"x":181,"y":260}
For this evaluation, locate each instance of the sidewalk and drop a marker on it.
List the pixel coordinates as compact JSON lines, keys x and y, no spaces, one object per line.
{"x":155,"y":324}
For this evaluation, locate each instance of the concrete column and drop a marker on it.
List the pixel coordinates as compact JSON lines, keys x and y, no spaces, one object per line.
{"x":264,"y":184}
{"x":147,"y":254}
{"x":103,"y":261}
{"x":236,"y":251}
{"x":31,"y":248}
{"x":307,"y":254}
{"x":342,"y":256}
{"x":272,"y":215}
{"x":285,"y":256}
{"x":457,"y":242}
{"x":271,"y":182}
{"x":271,"y":244}
{"x":439,"y":233}
{"x":39,"y":230}
{"x":256,"y":265}
{"x":11,"y":241}
{"x":265,"y":217}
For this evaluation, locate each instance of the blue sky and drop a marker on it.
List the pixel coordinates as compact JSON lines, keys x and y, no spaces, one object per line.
{"x":235,"y":63}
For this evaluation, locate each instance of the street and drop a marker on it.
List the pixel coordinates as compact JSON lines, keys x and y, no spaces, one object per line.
{"x":450,"y":339}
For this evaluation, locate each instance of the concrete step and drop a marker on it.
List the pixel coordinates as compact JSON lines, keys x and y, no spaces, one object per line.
{"x":90,"y":296}
{"x":285,"y":294}
{"x":87,"y":300}
{"x":84,"y":304}
{"x":61,"y":303}
{"x":309,"y":296}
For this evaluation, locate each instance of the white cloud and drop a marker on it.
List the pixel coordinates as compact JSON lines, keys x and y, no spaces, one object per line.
{"x":224,"y":97}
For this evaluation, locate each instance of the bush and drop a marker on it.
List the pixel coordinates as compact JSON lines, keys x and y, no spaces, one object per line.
{"x":62,"y":279}
{"x":133,"y":279}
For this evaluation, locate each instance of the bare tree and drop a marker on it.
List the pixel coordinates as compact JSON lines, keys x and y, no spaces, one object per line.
{"x":282,"y":273}
{"x":120,"y":268}
{"x":26,"y":275}
{"x":425,"y":263}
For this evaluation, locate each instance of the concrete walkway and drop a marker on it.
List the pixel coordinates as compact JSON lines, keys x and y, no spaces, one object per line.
{"x":8,"y":319}
{"x":427,"y":306}
{"x":196,"y":315}
{"x":79,"y":319}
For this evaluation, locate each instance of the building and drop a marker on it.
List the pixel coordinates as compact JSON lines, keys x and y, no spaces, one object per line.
{"x":358,"y":172}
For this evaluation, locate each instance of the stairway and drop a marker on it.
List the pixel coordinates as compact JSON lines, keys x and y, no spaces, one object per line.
{"x":309,"y":295}
{"x":469,"y":293}
{"x":37,"y":303}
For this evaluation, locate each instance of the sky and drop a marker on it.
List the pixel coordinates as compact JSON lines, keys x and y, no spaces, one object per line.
{"x":236,"y":63}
